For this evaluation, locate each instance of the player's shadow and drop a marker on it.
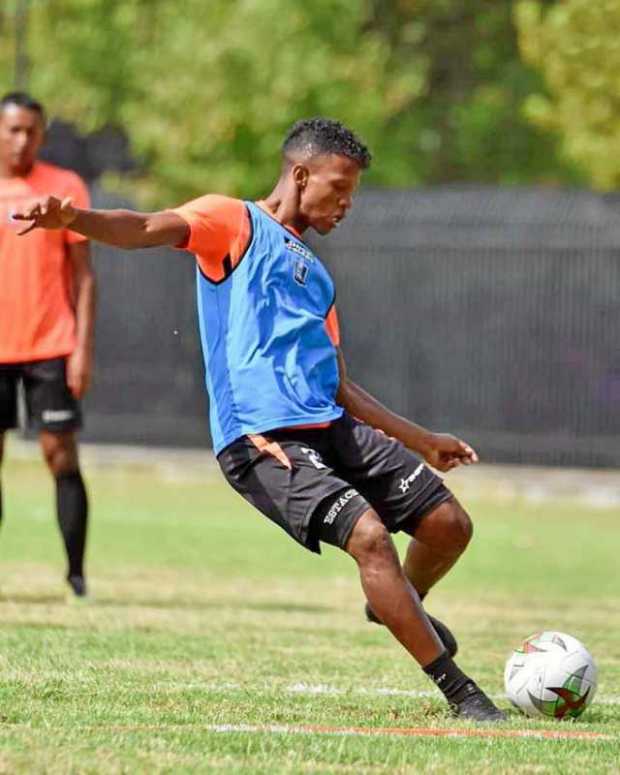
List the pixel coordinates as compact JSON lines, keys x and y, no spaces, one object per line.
{"x":25,"y":625}
{"x":165,"y":604}
{"x":32,"y":599}
{"x":290,"y":608}
{"x":209,"y":605}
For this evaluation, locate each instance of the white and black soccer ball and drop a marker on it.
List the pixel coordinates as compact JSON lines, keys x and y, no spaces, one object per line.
{"x":551,"y":675}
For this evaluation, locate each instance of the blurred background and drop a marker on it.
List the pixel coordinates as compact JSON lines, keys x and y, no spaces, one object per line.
{"x":479,"y":271}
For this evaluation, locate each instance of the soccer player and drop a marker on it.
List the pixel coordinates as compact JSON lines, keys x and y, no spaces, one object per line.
{"x":293,"y":434}
{"x":47,"y":294}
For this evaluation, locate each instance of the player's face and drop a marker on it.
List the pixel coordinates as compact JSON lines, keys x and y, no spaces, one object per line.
{"x":21,"y":135}
{"x":327,"y":190}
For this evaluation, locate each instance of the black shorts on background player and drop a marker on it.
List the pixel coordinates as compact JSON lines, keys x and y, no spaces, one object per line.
{"x":50,"y":405}
{"x":316,"y":483}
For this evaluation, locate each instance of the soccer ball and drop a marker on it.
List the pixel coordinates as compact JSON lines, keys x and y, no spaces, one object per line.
{"x":551,"y":675}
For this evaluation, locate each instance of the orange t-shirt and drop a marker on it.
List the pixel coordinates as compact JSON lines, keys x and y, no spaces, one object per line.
{"x":37,"y":319}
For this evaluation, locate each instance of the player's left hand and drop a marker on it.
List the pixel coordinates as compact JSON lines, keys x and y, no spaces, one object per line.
{"x":445,"y":452}
{"x":79,"y":372}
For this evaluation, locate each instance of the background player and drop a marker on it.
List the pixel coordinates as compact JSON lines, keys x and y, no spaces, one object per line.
{"x":47,"y":300}
{"x":282,"y":406}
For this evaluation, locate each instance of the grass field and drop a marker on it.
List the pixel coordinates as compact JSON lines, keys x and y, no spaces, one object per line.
{"x":214,"y":644}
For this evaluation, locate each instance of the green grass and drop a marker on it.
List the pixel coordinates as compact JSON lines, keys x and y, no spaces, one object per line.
{"x":205,"y":614}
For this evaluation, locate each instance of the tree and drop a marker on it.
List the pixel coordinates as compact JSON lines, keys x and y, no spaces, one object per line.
{"x":206,"y":90}
{"x":468,"y":123}
{"x":575,"y":45}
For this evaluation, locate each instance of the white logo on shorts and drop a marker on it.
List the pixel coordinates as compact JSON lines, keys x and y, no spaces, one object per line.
{"x":56,"y":415}
{"x":406,"y":483}
{"x":314,"y":457}
{"x":338,"y":505}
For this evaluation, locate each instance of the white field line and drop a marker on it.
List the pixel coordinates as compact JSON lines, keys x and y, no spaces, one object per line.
{"x":326,"y":689}
{"x":302,"y":688}
{"x":467,"y":732}
{"x":419,"y":731}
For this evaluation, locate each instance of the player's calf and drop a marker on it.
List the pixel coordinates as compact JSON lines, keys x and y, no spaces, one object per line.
{"x":387,"y":590}
{"x":398,"y":606}
{"x":443,"y":631}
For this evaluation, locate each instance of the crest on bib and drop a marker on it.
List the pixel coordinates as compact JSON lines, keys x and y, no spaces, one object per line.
{"x":304,"y":260}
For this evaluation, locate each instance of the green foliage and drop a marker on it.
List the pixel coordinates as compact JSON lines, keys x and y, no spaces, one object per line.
{"x":468,"y":124}
{"x":575,"y":45}
{"x":206,"y":90}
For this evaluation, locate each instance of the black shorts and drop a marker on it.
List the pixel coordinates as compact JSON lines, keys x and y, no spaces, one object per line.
{"x":50,"y":405}
{"x":316,"y":483}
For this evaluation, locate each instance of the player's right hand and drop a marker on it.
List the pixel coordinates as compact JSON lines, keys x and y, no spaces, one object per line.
{"x":445,"y":452}
{"x":48,"y":212}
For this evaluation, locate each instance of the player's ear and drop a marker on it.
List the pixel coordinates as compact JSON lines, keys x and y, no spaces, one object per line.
{"x":300,"y":175}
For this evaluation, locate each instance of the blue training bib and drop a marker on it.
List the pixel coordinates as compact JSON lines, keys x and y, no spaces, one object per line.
{"x":269,"y":360}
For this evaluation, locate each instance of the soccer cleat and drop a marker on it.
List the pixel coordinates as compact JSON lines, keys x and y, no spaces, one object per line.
{"x":445,"y":636}
{"x":476,"y":706}
{"x":78,"y":586}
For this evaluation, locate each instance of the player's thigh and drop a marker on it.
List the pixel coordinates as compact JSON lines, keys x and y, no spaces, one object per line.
{"x":50,"y":405}
{"x":289,"y":482}
{"x":399,"y":486}
{"x":9,"y":379}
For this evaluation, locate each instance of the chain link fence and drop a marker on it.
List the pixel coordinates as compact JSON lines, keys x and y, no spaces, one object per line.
{"x":492,"y":313}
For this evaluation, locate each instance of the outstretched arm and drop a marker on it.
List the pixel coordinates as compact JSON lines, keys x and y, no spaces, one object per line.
{"x":121,"y":228}
{"x":441,"y":450}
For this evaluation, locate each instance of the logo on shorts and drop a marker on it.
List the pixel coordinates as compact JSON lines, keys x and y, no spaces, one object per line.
{"x":56,"y":415}
{"x":406,"y":483}
{"x":314,"y":457}
{"x":338,"y":505}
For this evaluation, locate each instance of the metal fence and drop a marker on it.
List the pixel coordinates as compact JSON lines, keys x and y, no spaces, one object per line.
{"x":492,"y":313}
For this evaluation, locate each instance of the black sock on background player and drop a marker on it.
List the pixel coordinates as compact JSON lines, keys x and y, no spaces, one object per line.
{"x":72,"y":511}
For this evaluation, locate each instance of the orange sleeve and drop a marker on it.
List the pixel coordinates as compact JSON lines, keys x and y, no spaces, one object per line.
{"x":220,"y":231}
{"x":81,"y":198}
{"x":332,"y":326}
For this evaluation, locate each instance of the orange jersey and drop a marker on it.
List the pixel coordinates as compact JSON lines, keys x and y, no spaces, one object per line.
{"x":37,"y":320}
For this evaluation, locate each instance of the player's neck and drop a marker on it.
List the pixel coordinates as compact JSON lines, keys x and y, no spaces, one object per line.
{"x":9,"y":171}
{"x":283,"y":205}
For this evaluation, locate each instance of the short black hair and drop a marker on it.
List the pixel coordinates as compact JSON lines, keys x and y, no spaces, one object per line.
{"x":315,"y":136}
{"x":22,"y":100}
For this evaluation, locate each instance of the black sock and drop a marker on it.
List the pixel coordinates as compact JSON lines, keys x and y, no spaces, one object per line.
{"x":449,"y":678}
{"x":72,"y":510}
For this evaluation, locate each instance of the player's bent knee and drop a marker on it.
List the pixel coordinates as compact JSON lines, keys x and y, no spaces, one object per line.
{"x":60,"y":452}
{"x":448,"y":529}
{"x":458,"y":527}
{"x":370,"y":539}
{"x":463,"y":527}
